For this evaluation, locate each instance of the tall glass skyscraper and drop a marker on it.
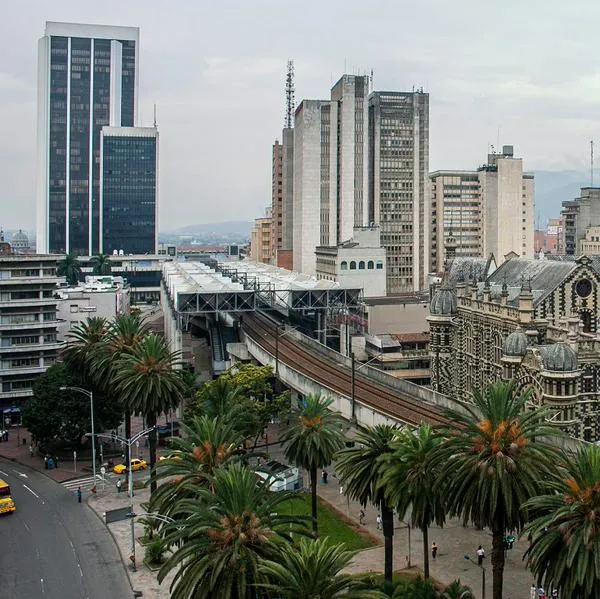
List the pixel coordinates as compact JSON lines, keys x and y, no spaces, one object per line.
{"x":87,"y":78}
{"x":128,"y":190}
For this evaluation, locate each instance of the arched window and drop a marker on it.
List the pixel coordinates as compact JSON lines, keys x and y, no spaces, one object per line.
{"x":379,"y":265}
{"x":361,"y":265}
{"x":344,"y":265}
{"x":352,"y":265}
{"x":370,"y":265}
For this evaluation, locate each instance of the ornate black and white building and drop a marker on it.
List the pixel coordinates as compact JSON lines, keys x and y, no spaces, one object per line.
{"x":534,"y":321}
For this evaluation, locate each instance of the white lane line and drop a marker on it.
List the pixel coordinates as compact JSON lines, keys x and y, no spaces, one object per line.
{"x":80,"y":570}
{"x":19,"y":473}
{"x":42,"y":581}
{"x":3,"y":473}
{"x":26,"y":526}
{"x":32,"y":492}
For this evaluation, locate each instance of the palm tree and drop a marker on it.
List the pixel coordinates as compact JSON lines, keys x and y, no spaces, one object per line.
{"x":565,"y":534}
{"x":494,"y":459}
{"x":149,"y":384}
{"x":409,"y":477}
{"x":222,"y":535}
{"x":358,"y":468}
{"x":456,"y":590}
{"x":122,"y":337}
{"x":101,"y":264}
{"x":313,"y":569}
{"x":83,"y":340}
{"x":206,"y":444}
{"x":69,"y":268}
{"x":311,"y":440}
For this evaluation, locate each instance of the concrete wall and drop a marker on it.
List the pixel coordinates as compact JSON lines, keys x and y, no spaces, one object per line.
{"x":398,"y":318}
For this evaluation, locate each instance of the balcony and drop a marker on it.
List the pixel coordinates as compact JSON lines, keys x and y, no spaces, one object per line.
{"x":33,"y":347}
{"x":17,"y":394}
{"x":34,"y":302}
{"x":33,"y":369}
{"x":38,"y":324}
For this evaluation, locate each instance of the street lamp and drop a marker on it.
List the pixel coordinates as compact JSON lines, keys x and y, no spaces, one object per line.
{"x":129,"y":443}
{"x":468,"y":558}
{"x":90,"y":394}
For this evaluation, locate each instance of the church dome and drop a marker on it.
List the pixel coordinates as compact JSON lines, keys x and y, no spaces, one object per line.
{"x":559,"y":357}
{"x":444,"y":303}
{"x":515,"y":344}
{"x":20,"y":240}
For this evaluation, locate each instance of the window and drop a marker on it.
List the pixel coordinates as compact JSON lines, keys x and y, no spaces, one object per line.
{"x":370,"y":265}
{"x":344,"y":265}
{"x":361,"y":265}
{"x":379,"y":265}
{"x":353,"y":265}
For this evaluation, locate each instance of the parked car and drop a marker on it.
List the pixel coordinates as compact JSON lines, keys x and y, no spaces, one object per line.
{"x":136,"y":464}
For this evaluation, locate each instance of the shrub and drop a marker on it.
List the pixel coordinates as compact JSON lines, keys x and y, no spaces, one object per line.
{"x":155,"y":551}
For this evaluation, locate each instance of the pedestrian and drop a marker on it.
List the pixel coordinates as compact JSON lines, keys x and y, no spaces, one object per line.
{"x":78,"y":494}
{"x":119,"y":484}
{"x":56,"y":461}
{"x":324,"y":476}
{"x":480,"y":555}
{"x":532,"y":592}
{"x":45,"y":462}
{"x":361,"y":517}
{"x":341,"y":489}
{"x":554,"y":594}
{"x":378,"y":521}
{"x":541,"y":593}
{"x":434,"y":550}
{"x":30,"y":450}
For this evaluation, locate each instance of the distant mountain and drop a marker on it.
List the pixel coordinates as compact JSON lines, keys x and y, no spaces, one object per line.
{"x":233,"y":228}
{"x":552,"y":188}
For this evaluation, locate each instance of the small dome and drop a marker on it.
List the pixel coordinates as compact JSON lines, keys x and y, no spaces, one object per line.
{"x":515,"y":344}
{"x":559,"y":357}
{"x":20,"y":240}
{"x":444,"y":303}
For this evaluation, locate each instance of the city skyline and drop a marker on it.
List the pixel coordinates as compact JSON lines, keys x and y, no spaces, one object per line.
{"x":514,"y":83}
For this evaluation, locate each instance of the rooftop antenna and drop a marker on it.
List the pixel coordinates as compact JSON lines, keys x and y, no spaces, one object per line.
{"x":290,"y":95}
{"x":591,"y":163}
{"x":155,"y":116}
{"x":372,"y":88}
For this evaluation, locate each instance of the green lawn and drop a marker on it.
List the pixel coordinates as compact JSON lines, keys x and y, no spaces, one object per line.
{"x":331,"y":524}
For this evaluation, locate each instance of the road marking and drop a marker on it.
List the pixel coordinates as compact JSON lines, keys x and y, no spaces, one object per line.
{"x":42,"y":581}
{"x":80,"y":570}
{"x":19,"y":473}
{"x":26,"y":526}
{"x":32,"y":492}
{"x":3,"y":473}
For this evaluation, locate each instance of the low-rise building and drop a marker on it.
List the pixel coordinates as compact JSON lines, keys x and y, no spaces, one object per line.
{"x":28,"y":323}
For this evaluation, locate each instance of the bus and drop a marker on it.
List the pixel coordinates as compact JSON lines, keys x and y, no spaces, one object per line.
{"x":7,"y":505}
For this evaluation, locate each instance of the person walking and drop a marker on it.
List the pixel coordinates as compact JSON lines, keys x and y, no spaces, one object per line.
{"x":361,"y":517}
{"x":324,"y":476}
{"x":378,"y":521}
{"x":434,"y":550}
{"x":119,"y":485}
{"x":532,"y":592}
{"x":78,"y":494}
{"x":480,"y":555}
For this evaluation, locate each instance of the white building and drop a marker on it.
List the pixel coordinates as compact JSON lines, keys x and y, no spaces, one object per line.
{"x":102,"y":296}
{"x":358,"y":263}
{"x":87,"y":78}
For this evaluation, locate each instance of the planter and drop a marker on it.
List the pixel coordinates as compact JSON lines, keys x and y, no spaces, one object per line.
{"x":153,"y":567}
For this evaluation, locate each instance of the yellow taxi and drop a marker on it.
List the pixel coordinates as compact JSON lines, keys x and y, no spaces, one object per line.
{"x":136,"y":464}
{"x":176,"y":455}
{"x":7,"y":505}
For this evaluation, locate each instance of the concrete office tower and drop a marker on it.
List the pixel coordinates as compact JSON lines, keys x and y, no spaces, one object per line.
{"x":578,"y":215}
{"x":87,"y":78}
{"x":487,"y":211}
{"x":277,"y":201}
{"x":129,"y":190}
{"x":507,"y":197}
{"x":456,"y":209}
{"x":330,"y":170}
{"x":399,"y":185}
{"x":285,"y":257}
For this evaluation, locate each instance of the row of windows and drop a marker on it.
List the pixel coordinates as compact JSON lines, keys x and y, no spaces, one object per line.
{"x":370,"y":265}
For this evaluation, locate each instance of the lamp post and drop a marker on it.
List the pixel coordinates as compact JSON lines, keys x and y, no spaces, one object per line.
{"x":468,"y":558}
{"x":90,"y":394}
{"x":129,"y":443}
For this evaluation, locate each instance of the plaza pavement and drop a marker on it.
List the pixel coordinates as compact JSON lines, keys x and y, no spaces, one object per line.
{"x":454,"y":540}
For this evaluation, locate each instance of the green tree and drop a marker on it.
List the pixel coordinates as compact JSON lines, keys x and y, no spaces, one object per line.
{"x":418,"y":588}
{"x":252,"y":380}
{"x":494,"y":459}
{"x":223,"y":533}
{"x":456,"y":590}
{"x":312,"y":570}
{"x":311,"y":439}
{"x":149,"y":384}
{"x":101,"y":264}
{"x":565,"y":533}
{"x":69,"y":268}
{"x":409,"y":476}
{"x":82,"y":343}
{"x":359,"y":468}
{"x":205,"y":445}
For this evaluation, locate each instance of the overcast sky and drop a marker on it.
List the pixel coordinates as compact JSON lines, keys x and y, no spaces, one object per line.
{"x":216,"y":71}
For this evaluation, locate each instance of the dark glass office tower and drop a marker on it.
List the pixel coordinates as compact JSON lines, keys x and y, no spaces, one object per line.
{"x":129,"y":190}
{"x":87,"y":78}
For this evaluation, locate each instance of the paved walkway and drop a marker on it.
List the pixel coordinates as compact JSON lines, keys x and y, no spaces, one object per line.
{"x":454,"y":540}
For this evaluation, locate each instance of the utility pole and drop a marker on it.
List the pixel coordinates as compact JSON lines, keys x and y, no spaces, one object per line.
{"x":353,"y":402}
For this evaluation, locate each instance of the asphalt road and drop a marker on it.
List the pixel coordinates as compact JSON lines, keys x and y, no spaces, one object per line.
{"x":53,"y":547}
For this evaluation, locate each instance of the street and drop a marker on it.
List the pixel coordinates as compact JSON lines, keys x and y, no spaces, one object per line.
{"x":53,"y":547}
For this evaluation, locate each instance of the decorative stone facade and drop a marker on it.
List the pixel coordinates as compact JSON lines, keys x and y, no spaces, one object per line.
{"x":534,"y":321}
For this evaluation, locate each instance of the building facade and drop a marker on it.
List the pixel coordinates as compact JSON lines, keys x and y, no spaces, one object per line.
{"x":578,"y":215}
{"x":87,"y":78}
{"x":261,"y":238}
{"x":356,"y":264}
{"x":285,"y":257}
{"x":28,"y":323}
{"x":399,"y":185}
{"x":590,"y":245}
{"x":129,"y":190}
{"x":531,"y":321}
{"x":487,"y":211}
{"x":277,"y":200}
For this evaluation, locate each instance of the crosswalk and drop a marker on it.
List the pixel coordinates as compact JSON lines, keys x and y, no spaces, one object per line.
{"x":86,"y":483}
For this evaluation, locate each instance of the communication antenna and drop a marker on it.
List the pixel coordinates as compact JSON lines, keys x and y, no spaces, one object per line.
{"x":372,"y":88}
{"x":290,"y":97}
{"x":155,"y":116}
{"x":592,"y":163}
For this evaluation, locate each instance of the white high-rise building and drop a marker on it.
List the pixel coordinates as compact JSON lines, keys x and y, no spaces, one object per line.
{"x":330,"y":190}
{"x":87,"y":78}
